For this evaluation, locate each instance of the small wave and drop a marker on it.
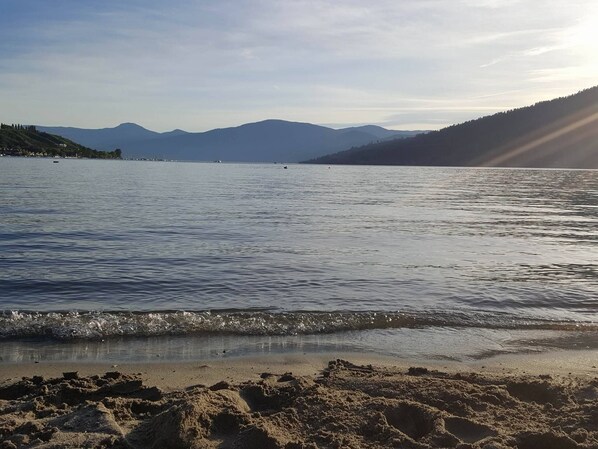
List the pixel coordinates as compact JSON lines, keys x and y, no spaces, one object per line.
{"x":101,"y":325}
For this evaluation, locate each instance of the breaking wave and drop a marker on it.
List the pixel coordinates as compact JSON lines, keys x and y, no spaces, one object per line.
{"x":101,"y":325}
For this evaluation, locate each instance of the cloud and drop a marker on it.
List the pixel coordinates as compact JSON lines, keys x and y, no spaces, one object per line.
{"x":198,"y":65}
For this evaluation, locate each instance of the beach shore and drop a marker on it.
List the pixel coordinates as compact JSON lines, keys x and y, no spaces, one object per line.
{"x":546,"y":400}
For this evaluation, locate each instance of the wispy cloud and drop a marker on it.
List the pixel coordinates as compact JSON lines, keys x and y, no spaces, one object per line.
{"x":199,"y":65}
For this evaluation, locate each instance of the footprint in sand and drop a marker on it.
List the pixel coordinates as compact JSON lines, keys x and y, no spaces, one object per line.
{"x":466,"y":430}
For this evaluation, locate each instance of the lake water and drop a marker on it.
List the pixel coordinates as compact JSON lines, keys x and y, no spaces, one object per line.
{"x":102,"y":259}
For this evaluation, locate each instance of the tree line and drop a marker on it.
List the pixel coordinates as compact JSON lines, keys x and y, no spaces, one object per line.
{"x":19,"y":127}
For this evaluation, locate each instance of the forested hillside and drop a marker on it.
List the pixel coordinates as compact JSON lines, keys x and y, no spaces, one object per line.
{"x":561,"y":133}
{"x":20,"y":140}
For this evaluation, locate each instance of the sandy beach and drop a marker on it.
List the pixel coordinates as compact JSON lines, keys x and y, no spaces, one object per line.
{"x":547,"y":400}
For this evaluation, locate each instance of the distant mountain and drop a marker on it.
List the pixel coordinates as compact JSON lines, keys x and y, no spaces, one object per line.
{"x":19,"y":140}
{"x":265,"y":141}
{"x":382,"y":133}
{"x":560,"y":133}
{"x":105,"y":138}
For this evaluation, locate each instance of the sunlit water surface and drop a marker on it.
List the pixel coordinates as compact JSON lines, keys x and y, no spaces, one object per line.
{"x":409,"y":261}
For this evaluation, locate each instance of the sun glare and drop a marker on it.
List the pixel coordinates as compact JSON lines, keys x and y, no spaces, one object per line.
{"x":584,"y":38}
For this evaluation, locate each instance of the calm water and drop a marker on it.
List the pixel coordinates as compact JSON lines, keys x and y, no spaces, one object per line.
{"x":355,"y":256}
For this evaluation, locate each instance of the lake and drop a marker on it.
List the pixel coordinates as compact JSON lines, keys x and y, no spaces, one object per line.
{"x":198,"y":258}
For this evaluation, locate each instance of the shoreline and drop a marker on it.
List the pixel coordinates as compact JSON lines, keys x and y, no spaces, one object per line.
{"x":435,"y":345}
{"x":176,"y":374}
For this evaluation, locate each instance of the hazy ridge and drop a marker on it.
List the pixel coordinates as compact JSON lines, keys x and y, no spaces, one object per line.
{"x":265,"y":141}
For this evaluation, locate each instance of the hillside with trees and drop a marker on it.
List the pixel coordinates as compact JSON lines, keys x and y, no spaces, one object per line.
{"x":27,"y":141}
{"x":560,"y":133}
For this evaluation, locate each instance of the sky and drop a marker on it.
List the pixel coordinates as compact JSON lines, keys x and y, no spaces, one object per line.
{"x":203,"y":64}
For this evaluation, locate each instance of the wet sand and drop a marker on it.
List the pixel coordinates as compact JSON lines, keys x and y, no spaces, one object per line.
{"x":290,"y":401}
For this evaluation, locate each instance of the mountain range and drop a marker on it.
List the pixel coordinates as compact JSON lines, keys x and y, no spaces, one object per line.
{"x":265,"y":141}
{"x":560,"y":133}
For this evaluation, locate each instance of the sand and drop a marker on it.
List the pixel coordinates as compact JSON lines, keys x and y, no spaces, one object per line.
{"x":303,"y":401}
